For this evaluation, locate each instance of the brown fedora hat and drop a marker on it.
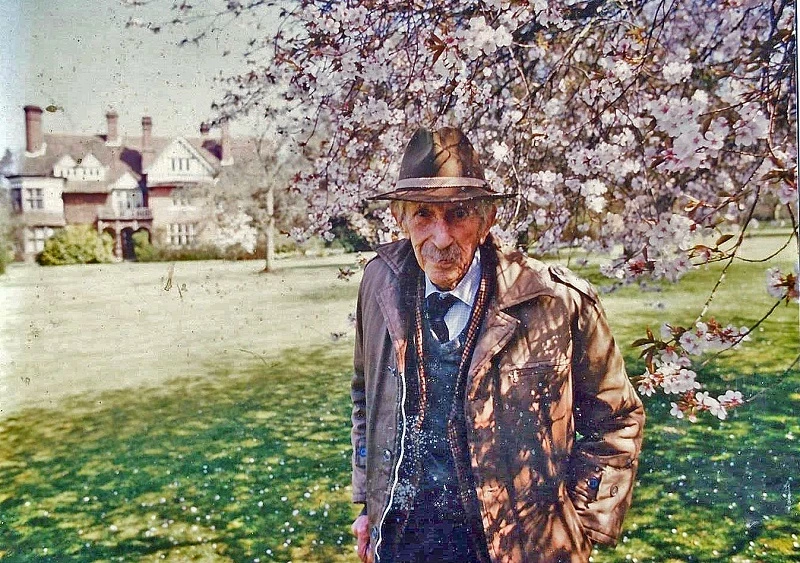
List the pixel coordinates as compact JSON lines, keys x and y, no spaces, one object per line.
{"x":440,"y":166}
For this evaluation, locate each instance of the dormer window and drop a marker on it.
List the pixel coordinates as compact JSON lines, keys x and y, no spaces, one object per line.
{"x":65,"y":167}
{"x":180,"y":164}
{"x":88,"y":168}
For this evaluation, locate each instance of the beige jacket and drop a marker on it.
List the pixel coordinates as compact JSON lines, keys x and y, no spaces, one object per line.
{"x":553,"y":424}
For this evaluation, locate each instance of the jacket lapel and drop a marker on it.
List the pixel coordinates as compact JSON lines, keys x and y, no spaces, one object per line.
{"x":397,"y":298}
{"x":518,"y":280}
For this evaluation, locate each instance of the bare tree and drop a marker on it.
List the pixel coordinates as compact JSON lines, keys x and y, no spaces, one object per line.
{"x":255,"y":191}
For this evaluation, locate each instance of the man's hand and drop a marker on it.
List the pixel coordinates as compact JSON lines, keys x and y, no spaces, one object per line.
{"x":361,"y":531}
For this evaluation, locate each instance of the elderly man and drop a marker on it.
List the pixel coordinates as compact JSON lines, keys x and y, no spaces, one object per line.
{"x":492,"y":416}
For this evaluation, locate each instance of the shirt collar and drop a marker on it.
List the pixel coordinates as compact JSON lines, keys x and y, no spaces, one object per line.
{"x":467,"y":288}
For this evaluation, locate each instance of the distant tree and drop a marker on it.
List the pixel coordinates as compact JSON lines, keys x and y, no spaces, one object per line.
{"x":7,"y":223}
{"x":6,"y":231}
{"x":255,"y":194}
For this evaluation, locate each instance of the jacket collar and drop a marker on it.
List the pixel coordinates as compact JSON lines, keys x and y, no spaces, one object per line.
{"x":399,"y":256}
{"x":520,"y":279}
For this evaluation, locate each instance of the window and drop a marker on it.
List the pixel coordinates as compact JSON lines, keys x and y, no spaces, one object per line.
{"x":128,"y":199}
{"x":35,"y":238}
{"x":181,"y":234}
{"x":180,"y":198}
{"x":180,"y":164}
{"x":34,"y":198}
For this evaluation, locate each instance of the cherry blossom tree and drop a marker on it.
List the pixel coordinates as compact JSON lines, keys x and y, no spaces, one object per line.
{"x":645,"y":130}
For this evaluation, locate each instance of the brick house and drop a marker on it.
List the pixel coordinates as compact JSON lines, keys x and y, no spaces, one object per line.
{"x":120,"y":185}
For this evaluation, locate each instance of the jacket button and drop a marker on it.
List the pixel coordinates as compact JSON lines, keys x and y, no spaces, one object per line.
{"x":387,"y":455}
{"x":614,"y":491}
{"x":374,"y":533}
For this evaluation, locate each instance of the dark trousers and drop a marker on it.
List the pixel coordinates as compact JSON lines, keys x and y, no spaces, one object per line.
{"x":433,"y":537}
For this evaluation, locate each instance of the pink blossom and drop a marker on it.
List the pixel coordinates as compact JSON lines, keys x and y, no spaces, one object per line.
{"x":637,"y":145}
{"x":731,"y":399}
{"x":675,"y":72}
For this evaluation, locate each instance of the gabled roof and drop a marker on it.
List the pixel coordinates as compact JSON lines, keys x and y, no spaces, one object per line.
{"x":66,"y":161}
{"x":117,"y":159}
{"x":185,"y":146}
{"x":127,"y":157}
{"x":89,"y":161}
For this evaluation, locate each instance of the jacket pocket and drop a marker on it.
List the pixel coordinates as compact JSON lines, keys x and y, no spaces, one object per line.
{"x":586,"y":477}
{"x":533,"y":383}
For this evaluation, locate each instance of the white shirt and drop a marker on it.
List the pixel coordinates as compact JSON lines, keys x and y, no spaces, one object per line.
{"x":466,"y":290}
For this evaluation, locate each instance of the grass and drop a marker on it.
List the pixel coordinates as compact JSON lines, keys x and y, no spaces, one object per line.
{"x":231,"y":467}
{"x":229,"y":441}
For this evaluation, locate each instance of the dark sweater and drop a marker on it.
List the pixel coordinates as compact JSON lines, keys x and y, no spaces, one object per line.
{"x":439,"y":482}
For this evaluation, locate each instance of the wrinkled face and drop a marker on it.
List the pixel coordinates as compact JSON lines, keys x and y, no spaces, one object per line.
{"x":444,"y":237}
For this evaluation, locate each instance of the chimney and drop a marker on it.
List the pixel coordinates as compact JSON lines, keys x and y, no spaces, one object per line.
{"x":204,"y":128}
{"x":225,"y":156}
{"x":34,"y":145}
{"x":147,"y":144}
{"x":112,"y":136}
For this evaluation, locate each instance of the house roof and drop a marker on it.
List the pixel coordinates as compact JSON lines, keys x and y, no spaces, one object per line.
{"x":247,"y":165}
{"x":120,"y":159}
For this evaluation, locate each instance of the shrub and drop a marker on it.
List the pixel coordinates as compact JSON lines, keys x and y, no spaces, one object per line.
{"x":77,"y":244}
{"x":6,"y":248}
{"x":345,"y":236}
{"x":6,"y":254}
{"x":143,"y":249}
{"x":178,"y":253}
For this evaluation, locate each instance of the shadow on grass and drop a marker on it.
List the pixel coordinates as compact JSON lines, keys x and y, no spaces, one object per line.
{"x":254,"y":464}
{"x":719,"y":490}
{"x":234,"y":467}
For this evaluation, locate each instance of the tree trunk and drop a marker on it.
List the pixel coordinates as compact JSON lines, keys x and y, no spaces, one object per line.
{"x":269,"y":266}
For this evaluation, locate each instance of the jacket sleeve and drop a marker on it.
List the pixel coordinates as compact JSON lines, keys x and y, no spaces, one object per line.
{"x":358,"y":433}
{"x":609,"y":419}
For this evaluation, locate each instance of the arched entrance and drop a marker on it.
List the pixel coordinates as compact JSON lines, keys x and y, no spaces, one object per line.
{"x":127,"y":244}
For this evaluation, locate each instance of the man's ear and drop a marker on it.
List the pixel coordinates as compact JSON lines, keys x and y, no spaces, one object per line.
{"x":490,"y":217}
{"x":397,"y":213}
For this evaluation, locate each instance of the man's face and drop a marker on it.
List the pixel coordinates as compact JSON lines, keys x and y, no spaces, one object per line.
{"x":444,"y":237}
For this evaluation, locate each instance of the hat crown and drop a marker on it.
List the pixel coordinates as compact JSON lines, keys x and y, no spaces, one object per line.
{"x":446,"y":153}
{"x":440,"y":167}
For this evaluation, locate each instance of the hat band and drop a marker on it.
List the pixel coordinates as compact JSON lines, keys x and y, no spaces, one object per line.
{"x":440,"y":182}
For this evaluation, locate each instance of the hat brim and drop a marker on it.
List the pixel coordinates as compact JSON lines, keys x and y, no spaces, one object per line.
{"x":450,"y":194}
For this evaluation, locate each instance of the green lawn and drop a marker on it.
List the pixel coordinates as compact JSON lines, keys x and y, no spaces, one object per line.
{"x":212,"y":425}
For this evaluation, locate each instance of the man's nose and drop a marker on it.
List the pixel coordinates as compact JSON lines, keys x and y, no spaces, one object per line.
{"x":441,"y":234}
